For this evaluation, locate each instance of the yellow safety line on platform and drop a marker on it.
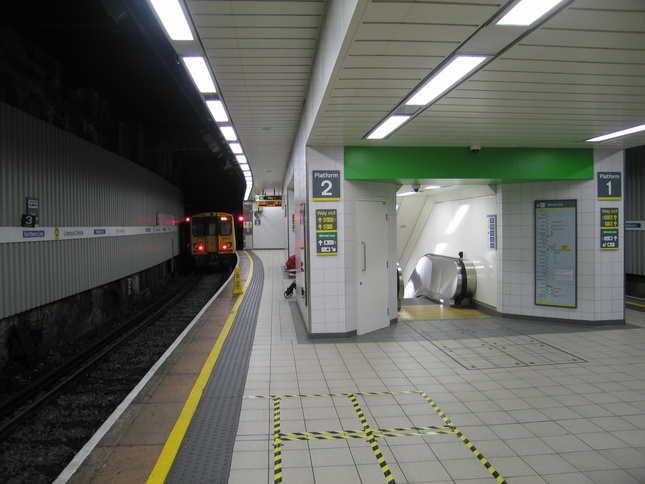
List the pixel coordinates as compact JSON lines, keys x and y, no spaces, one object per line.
{"x":170,"y":449}
{"x":635,"y":304}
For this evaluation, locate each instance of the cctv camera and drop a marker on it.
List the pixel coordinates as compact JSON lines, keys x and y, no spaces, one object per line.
{"x":416,"y":188}
{"x":475,"y":149}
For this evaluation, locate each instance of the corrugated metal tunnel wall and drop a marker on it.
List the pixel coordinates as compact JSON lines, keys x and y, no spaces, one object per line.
{"x":635,"y":210}
{"x":106,"y":210}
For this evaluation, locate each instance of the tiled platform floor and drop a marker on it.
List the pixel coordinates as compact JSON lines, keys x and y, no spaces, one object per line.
{"x":542,"y":403}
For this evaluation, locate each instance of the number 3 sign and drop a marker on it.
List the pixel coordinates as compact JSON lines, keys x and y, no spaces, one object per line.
{"x":325,"y":185}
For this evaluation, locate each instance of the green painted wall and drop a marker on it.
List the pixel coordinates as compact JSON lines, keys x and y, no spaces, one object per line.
{"x":509,"y":164}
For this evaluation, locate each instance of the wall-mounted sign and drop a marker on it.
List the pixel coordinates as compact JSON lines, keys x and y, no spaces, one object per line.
{"x":326,"y":220}
{"x":609,"y":228}
{"x":608,"y":239}
{"x":326,"y":243}
{"x":492,"y":232}
{"x":31,"y":217}
{"x":327,"y":232}
{"x":610,"y":185}
{"x":325,"y":185}
{"x":556,"y":253}
{"x":635,"y":225}
{"x":268,"y":200}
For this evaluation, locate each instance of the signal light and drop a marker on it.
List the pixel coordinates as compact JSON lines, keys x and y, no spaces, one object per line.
{"x":240,"y":218}
{"x":187,"y":219}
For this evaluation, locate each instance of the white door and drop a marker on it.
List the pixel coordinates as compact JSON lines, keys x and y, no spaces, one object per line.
{"x":371,"y":265}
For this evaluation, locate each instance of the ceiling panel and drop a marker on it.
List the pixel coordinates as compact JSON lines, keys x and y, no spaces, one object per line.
{"x":580,"y":74}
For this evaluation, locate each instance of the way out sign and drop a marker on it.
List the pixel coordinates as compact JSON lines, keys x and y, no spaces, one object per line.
{"x":325,"y":185}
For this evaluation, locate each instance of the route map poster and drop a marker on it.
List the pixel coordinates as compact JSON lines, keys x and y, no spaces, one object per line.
{"x":556,"y":253}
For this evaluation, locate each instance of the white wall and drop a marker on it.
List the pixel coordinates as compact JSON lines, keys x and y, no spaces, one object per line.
{"x":600,"y":287}
{"x":270,"y":234}
{"x":333,"y":278}
{"x":448,"y":223}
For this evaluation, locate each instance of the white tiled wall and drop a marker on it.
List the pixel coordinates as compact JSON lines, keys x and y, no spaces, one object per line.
{"x":440,"y":232}
{"x":333,"y":278}
{"x":600,"y":273}
{"x":270,"y":234}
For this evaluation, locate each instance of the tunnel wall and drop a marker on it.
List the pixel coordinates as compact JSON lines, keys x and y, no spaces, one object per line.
{"x":100,"y":216}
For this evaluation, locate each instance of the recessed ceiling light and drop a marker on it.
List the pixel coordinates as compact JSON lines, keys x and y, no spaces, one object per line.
{"x":387,"y":126}
{"x":458,"y":68}
{"x":228,"y":132}
{"x":200,"y":74}
{"x":217,"y":110}
{"x":527,"y":11}
{"x":617,"y":134}
{"x":173,"y":19}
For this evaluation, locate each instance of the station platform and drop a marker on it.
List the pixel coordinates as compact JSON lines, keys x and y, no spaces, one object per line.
{"x":245,"y":398}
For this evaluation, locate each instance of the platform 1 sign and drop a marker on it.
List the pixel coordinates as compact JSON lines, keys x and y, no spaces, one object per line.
{"x":610,"y":185}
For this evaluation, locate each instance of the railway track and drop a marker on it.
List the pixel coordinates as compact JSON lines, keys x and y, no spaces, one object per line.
{"x":43,"y":426}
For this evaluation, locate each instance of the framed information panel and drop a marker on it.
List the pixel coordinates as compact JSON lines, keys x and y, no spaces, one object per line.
{"x":556,"y":253}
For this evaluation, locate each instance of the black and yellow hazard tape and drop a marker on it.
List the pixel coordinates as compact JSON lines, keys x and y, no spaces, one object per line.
{"x":463,"y":438}
{"x":372,"y":441}
{"x":360,"y":434}
{"x":367,"y":433}
{"x":277,"y":443}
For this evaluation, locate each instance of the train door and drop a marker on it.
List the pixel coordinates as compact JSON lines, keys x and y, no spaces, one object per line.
{"x":371,"y":262}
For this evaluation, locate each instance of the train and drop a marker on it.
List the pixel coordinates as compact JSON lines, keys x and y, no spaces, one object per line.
{"x":209,"y":239}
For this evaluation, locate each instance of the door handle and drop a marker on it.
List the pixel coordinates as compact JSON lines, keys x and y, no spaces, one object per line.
{"x":364,"y":256}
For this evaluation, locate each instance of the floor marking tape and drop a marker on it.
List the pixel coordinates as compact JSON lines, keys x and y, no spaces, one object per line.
{"x":277,"y":443}
{"x":372,"y":441}
{"x":169,"y":452}
{"x":360,"y":434}
{"x":463,"y":438}
{"x":371,"y":434}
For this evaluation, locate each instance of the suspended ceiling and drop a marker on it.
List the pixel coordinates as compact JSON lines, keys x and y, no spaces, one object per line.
{"x":578,"y":75}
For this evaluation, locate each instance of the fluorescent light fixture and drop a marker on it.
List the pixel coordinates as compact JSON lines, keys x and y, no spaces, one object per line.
{"x":241,"y":159}
{"x":200,"y":73}
{"x":246,"y":173}
{"x":459,"y":68}
{"x":217,"y":110}
{"x":617,"y":134}
{"x":244,"y":166}
{"x":236,"y":148}
{"x":387,"y":126}
{"x":527,"y":11}
{"x":173,"y":19}
{"x":405,"y":194}
{"x":228,"y":132}
{"x":431,"y":187}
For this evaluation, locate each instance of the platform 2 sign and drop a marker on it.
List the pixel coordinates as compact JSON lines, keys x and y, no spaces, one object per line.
{"x":325,"y":185}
